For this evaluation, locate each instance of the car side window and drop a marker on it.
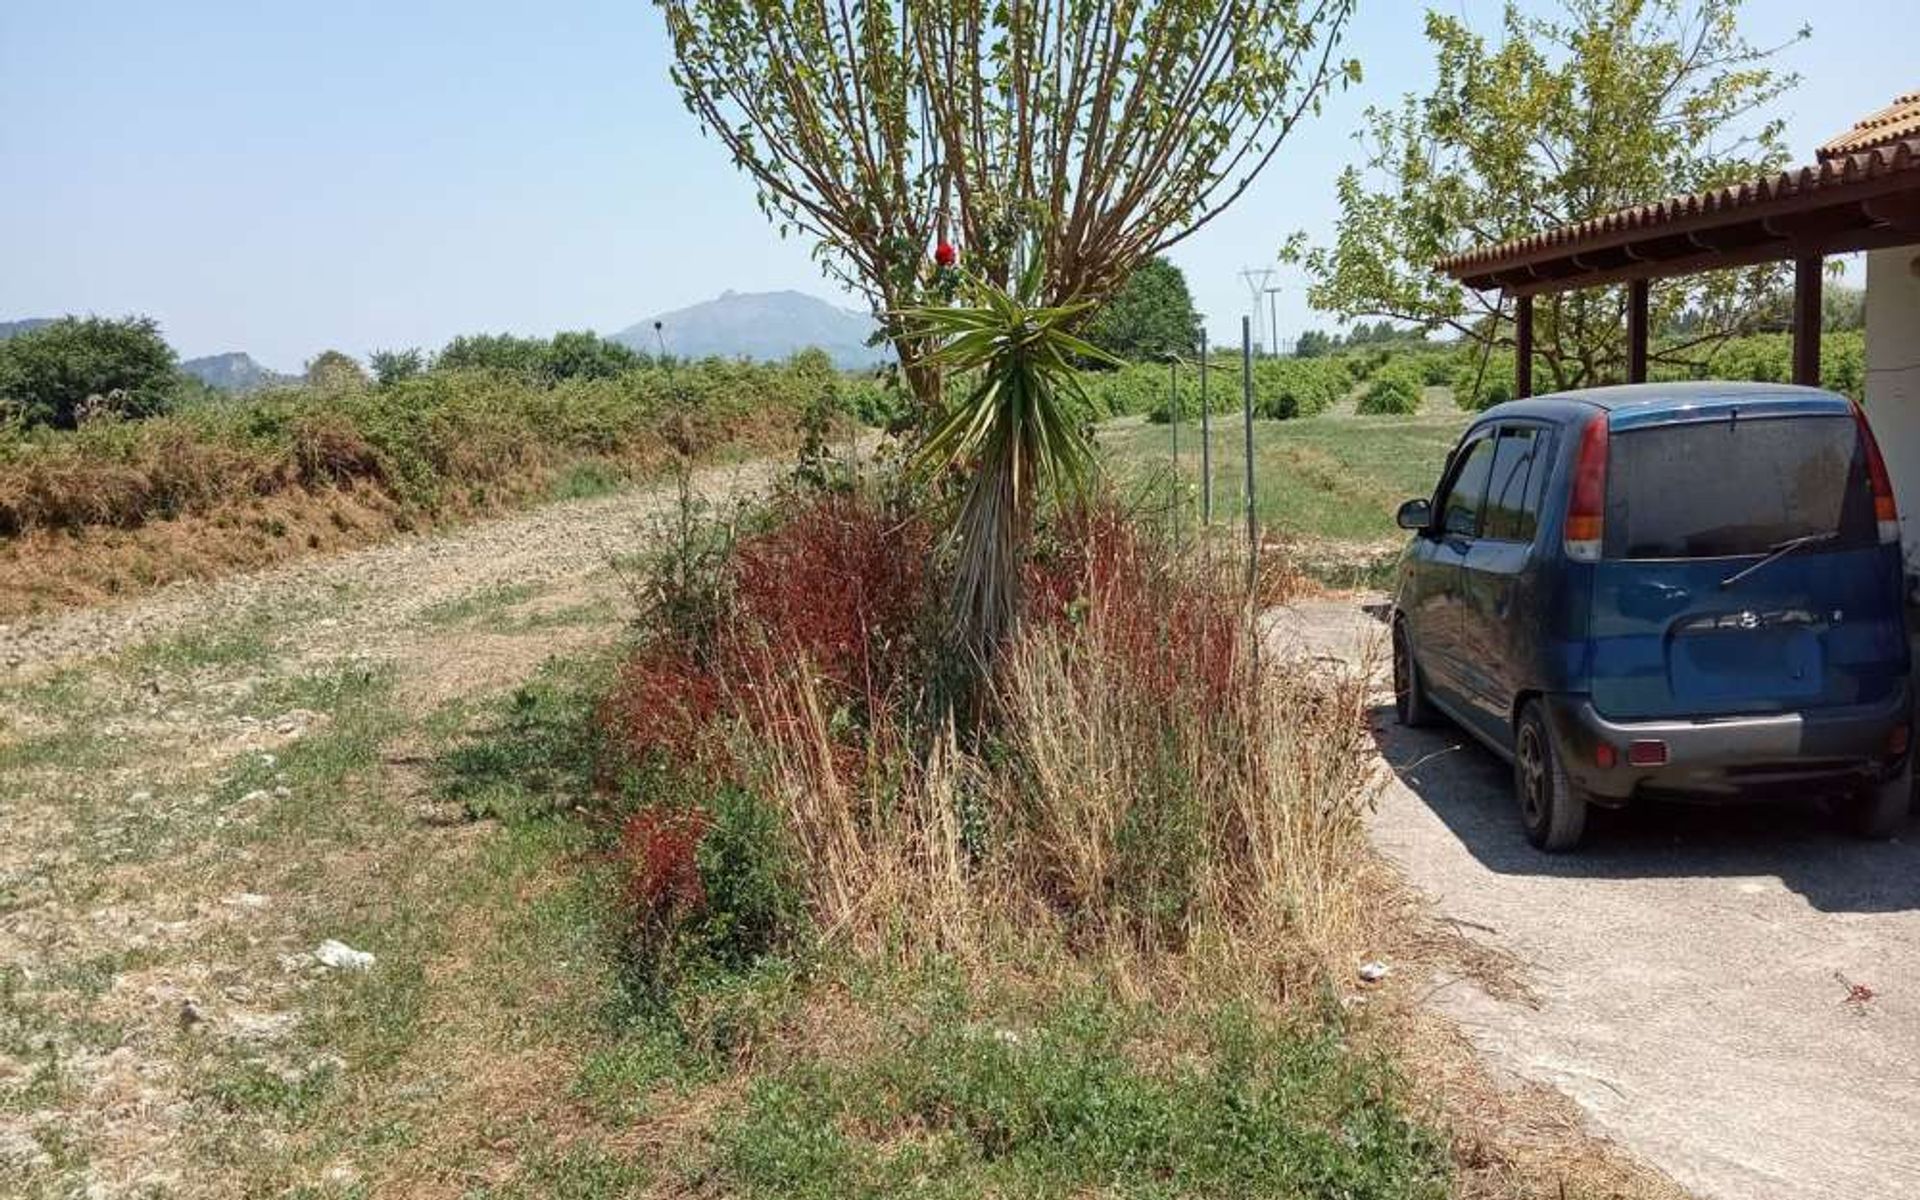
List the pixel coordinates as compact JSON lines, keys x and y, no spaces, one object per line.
{"x":1460,"y":511}
{"x":1513,"y":492}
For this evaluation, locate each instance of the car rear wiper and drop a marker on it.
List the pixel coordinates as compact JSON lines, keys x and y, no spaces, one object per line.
{"x":1780,"y":550}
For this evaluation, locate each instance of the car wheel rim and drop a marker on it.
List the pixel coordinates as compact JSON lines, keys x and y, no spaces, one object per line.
{"x":1533,"y":776}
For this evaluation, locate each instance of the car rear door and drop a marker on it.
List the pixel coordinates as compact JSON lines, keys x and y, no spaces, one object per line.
{"x":1692,"y":617}
{"x":1497,"y":626}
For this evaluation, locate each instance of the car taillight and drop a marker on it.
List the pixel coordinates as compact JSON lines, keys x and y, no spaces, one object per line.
{"x":1587,"y":501}
{"x":1885,"y":513}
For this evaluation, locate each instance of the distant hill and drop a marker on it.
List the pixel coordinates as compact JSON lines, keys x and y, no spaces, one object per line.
{"x":234,"y":372}
{"x":761,"y":325}
{"x":16,"y":328}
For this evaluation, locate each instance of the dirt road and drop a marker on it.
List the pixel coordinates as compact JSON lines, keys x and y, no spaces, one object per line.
{"x":1734,"y":995}
{"x":201,"y":788}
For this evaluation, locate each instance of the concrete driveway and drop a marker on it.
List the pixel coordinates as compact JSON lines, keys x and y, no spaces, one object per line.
{"x":1732,"y":994}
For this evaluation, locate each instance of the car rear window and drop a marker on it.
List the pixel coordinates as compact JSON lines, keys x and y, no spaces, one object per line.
{"x":1738,"y":486}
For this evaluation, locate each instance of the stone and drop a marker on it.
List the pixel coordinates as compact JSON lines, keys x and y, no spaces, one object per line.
{"x":342,"y":957}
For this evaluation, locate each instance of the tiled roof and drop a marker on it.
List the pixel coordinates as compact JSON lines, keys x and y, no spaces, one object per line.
{"x":1895,"y":122}
{"x":1751,"y":198}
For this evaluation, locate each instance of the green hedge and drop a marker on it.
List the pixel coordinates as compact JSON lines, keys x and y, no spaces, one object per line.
{"x":1282,"y":387}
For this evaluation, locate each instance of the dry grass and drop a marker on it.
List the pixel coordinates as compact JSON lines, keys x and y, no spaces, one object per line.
{"x":1154,"y":796}
{"x":119,"y":508}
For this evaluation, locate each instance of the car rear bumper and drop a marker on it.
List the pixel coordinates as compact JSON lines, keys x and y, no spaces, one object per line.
{"x":1790,"y":753}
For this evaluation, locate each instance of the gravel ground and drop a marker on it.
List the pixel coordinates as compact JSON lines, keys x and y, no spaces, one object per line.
{"x":370,"y":595}
{"x":1732,"y":994}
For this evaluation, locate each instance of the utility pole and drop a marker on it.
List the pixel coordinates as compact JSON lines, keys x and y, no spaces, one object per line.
{"x":1257,"y":279}
{"x":1273,"y":323}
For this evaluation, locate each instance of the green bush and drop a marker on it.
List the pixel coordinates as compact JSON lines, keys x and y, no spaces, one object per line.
{"x":754,"y":903}
{"x":1397,"y":384}
{"x":1389,"y":395}
{"x":75,"y":367}
{"x":874,"y":402}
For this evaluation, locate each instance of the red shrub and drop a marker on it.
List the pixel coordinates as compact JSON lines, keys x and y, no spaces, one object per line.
{"x":664,"y":704}
{"x":837,"y":583}
{"x":1164,"y":626}
{"x":841,"y":583}
{"x":659,"y":862}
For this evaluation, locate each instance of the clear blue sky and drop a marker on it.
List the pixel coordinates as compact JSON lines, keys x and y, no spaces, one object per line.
{"x":280,"y":178}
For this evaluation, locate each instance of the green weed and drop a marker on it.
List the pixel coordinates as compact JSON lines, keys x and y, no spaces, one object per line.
{"x":486,"y":604}
{"x":1085,"y":1096}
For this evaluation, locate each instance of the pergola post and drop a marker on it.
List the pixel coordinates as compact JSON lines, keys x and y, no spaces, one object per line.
{"x":1806,"y":320}
{"x":1637,"y":331}
{"x":1523,"y":348}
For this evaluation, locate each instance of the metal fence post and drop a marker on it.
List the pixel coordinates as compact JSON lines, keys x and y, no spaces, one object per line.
{"x":1206,"y":440}
{"x":1246,"y":413}
{"x":1173,"y":407}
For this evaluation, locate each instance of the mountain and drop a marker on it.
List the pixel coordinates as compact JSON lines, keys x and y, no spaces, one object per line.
{"x":761,"y":325}
{"x":16,"y":328}
{"x":234,"y":372}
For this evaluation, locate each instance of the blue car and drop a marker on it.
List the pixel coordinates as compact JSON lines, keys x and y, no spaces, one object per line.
{"x":1685,"y":590}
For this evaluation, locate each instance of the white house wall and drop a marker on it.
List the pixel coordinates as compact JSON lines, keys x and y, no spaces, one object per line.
{"x":1893,"y":379}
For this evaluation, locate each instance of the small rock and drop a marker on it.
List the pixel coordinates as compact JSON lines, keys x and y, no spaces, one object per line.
{"x":141,"y":797}
{"x":268,"y":761}
{"x":342,"y":957}
{"x":249,"y":900}
{"x":1373,"y":972}
{"x":256,"y":796}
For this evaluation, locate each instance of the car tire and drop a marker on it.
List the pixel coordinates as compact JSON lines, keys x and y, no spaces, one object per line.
{"x":1410,"y":701}
{"x":1878,"y":810}
{"x":1552,"y":810}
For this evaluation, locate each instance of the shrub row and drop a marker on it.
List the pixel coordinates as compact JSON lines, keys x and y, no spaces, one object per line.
{"x":446,"y":439}
{"x":1282,"y":387}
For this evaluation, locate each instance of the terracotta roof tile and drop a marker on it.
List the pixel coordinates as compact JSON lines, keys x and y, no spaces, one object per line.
{"x":1897,"y":121}
{"x":1871,"y":163}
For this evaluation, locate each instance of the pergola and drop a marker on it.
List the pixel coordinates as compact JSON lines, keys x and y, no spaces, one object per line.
{"x":1862,"y":194}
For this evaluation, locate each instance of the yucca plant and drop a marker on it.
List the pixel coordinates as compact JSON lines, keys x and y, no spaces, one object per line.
{"x":1015,"y":433}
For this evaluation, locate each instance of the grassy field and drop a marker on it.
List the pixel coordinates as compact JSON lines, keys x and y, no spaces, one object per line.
{"x":1335,"y":476}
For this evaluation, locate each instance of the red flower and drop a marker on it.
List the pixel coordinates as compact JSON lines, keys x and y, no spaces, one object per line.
{"x":944,"y":254}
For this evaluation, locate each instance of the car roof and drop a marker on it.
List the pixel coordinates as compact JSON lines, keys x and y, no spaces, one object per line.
{"x":1651,"y":399}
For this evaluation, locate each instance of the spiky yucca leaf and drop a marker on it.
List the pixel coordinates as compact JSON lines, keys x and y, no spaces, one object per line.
{"x":1014,"y":431}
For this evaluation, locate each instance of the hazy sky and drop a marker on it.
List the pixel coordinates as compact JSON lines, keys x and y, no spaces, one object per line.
{"x":281,"y":177}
